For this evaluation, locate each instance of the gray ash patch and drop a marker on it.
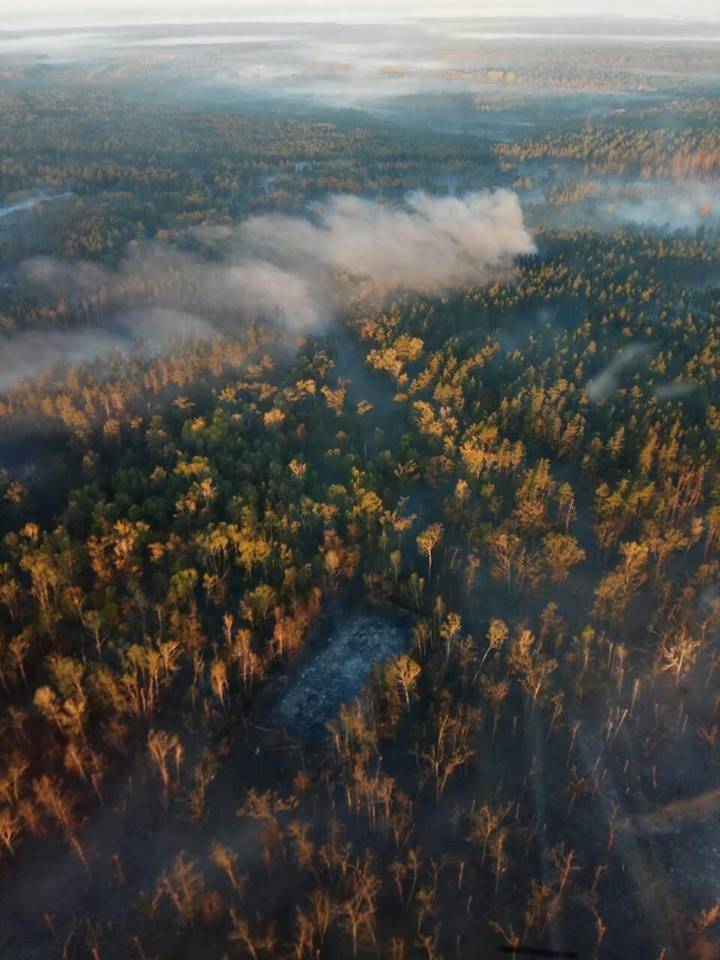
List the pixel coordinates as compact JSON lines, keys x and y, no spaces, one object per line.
{"x":337,"y":674}
{"x":691,"y":855}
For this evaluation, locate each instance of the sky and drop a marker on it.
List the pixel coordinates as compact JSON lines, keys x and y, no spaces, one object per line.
{"x":21,"y":13}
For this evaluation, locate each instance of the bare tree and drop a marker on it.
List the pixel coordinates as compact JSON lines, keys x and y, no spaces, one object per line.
{"x":58,"y":804}
{"x":565,"y":863}
{"x":485,"y":821}
{"x":183,"y":885}
{"x":164,"y":748}
{"x":10,"y":827}
{"x":678,"y":652}
{"x":450,"y":747}
{"x":358,"y":907}
{"x":266,"y":808}
{"x":256,"y":945}
{"x":404,"y":672}
{"x":226,"y":860}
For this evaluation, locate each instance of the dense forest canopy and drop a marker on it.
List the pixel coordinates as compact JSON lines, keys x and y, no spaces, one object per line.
{"x":359,"y":497}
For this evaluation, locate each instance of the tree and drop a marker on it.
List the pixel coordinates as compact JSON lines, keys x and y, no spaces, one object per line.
{"x":496,"y":692}
{"x":266,"y":808}
{"x":59,"y":804}
{"x":678,"y":652}
{"x":561,"y":554}
{"x":450,"y":746}
{"x":226,"y":860}
{"x":404,"y":672}
{"x":183,"y":885}
{"x":449,"y":632}
{"x":513,"y":562}
{"x":10,"y":828}
{"x":358,"y":906}
{"x":428,"y":540}
{"x":616,"y":588}
{"x":164,"y":747}
{"x":496,"y":636}
{"x":485,"y":821}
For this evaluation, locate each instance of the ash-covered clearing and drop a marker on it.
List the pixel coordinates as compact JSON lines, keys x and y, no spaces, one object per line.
{"x":338,"y":672}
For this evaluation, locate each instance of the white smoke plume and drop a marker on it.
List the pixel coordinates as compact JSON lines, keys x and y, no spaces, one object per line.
{"x":607,"y":381}
{"x":29,"y":354}
{"x":674,"y":391}
{"x":427,"y":241}
{"x":600,"y":387}
{"x":22,"y":205}
{"x":684,"y":205}
{"x":142,"y":332}
{"x":294,"y":272}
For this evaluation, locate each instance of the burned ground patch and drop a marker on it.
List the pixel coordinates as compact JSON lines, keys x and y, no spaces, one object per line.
{"x":337,"y":674}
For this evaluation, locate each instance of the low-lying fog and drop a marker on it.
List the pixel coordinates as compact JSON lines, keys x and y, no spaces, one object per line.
{"x":362,"y":64}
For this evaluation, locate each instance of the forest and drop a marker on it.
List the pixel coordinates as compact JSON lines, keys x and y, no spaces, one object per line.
{"x":352,"y":609}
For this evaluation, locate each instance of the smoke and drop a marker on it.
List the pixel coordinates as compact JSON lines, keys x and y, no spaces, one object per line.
{"x":659,"y":204}
{"x":30,"y":354}
{"x":600,"y":387}
{"x":65,"y":279}
{"x":674,"y":391}
{"x":685,"y":205}
{"x":29,"y":203}
{"x":605,"y":383}
{"x":293,"y":272}
{"x":443,"y":241}
{"x":140,"y":332}
{"x":264,"y":290}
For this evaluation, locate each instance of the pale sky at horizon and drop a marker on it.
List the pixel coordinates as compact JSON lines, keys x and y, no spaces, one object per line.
{"x":21,"y":13}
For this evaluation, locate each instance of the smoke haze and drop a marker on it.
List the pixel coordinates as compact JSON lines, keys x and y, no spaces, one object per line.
{"x":294,"y":272}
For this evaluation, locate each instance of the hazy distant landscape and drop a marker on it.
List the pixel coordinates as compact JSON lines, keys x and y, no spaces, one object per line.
{"x":359,"y":487}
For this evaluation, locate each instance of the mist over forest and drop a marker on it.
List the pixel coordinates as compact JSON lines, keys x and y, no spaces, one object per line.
{"x":359,"y":488}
